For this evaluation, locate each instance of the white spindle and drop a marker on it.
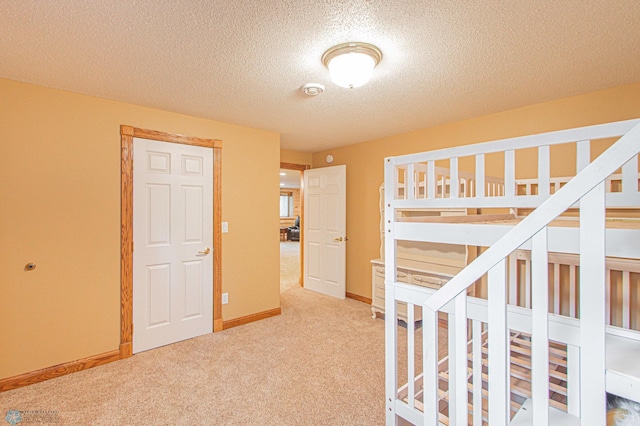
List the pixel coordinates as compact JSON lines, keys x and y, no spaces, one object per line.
{"x":583,"y":155}
{"x":453,"y":372}
{"x":556,"y":288}
{"x":544,"y":170}
{"x":409,"y":183}
{"x":411,"y":366}
{"x":573,"y":380}
{"x":429,"y":367}
{"x":443,"y":185}
{"x":592,"y":320}
{"x":431,"y":180}
{"x":498,"y":346}
{"x":630,"y":176}
{"x":477,"y":372}
{"x":573,"y":303}
{"x":540,"y":328}
{"x":626,"y":299}
{"x":480,"y":175}
{"x":607,"y":296}
{"x":454,"y":180}
{"x":461,"y":364}
{"x":527,"y":283}
{"x":509,"y":173}
{"x":513,"y":279}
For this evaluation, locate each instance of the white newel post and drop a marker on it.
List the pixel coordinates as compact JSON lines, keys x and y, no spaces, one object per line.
{"x":592,"y":310}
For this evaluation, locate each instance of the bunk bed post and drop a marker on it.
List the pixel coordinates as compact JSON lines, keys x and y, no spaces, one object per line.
{"x":592,"y":311}
{"x":391,"y":325}
{"x":540,"y":328}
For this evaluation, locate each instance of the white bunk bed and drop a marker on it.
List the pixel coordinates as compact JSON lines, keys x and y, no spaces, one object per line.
{"x":552,"y":325}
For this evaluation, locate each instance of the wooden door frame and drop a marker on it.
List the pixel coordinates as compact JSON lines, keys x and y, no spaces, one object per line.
{"x":127,"y":133}
{"x":301,"y":168}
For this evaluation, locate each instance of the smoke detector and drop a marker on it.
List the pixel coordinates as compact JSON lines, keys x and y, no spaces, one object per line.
{"x":312,"y":89}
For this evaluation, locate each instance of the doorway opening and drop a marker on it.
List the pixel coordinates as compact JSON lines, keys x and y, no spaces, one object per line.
{"x":291,"y":225}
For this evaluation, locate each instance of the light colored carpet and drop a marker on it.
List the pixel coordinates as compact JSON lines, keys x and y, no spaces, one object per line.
{"x":289,"y":265}
{"x":319,"y":363}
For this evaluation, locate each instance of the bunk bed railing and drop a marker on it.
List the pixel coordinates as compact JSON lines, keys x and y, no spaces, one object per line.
{"x":423,"y":179}
{"x":588,"y":187}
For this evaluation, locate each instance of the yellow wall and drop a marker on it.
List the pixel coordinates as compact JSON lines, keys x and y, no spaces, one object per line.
{"x":365,"y":160}
{"x":60,"y":208}
{"x":295,"y":157}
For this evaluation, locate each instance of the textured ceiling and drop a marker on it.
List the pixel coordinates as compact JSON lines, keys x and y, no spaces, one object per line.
{"x":243,"y":61}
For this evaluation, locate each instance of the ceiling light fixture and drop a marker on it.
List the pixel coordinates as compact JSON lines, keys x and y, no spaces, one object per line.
{"x":351,"y":64}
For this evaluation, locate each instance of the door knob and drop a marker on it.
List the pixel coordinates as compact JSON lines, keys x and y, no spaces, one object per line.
{"x":206,"y":251}
{"x":340,"y":239}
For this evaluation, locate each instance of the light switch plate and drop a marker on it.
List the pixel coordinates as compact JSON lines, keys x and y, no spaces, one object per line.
{"x":225,"y":298}
{"x":225,"y":227}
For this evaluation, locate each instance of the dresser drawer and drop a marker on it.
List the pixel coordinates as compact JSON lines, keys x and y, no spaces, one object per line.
{"x":427,"y":280}
{"x":401,"y":274}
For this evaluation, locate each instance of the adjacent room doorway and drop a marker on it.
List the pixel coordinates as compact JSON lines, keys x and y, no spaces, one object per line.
{"x":291,"y":221}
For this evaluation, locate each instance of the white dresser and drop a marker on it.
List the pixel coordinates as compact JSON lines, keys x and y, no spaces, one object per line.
{"x":410,"y":275}
{"x":425,"y":264}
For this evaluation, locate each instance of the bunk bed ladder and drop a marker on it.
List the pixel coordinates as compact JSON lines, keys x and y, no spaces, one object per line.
{"x":585,"y":362}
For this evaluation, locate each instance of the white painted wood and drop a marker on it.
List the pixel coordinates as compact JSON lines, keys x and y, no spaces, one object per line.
{"x":452,"y":383}
{"x":431,"y":180}
{"x":509,"y":173}
{"x":454,"y":180}
{"x":390,"y":324}
{"x":409,"y":183}
{"x":325,"y":230}
{"x":583,"y":154}
{"x":630,"y":177}
{"x":573,"y":380}
{"x":592,"y":321}
{"x":573,"y":302}
{"x":498,"y":346}
{"x":477,"y":372}
{"x":607,"y":303}
{"x":600,"y":131}
{"x":411,"y":351}
{"x":556,"y":288}
{"x":460,"y":363}
{"x":527,"y":284}
{"x":544,"y":170}
{"x":172,"y":223}
{"x":540,"y":327}
{"x":430,"y":366}
{"x":480,"y":184}
{"x":513,"y":279}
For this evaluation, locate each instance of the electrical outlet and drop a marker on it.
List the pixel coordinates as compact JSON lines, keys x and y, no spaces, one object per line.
{"x":225,"y":298}
{"x":225,"y":227}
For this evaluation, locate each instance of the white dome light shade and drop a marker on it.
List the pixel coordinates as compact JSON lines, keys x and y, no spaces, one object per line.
{"x":351,"y":64}
{"x":351,"y":69}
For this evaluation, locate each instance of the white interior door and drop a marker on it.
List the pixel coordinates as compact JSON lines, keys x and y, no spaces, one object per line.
{"x":325,"y":227}
{"x":173,"y":239}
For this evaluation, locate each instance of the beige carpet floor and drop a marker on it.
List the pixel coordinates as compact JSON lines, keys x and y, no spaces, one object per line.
{"x":319,"y":363}
{"x":289,"y":265}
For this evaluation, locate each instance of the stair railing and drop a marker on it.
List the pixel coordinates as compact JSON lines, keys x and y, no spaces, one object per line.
{"x":588,"y":188}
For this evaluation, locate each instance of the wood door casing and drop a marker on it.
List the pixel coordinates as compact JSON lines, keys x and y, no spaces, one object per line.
{"x":127,"y":133}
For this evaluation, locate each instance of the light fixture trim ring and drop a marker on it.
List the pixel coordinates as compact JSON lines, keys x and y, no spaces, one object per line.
{"x":351,"y":47}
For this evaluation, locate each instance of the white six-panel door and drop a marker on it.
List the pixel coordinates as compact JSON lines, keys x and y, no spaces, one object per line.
{"x":173,"y":242}
{"x":325,"y":227}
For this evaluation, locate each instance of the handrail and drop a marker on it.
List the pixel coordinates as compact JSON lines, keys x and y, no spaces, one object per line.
{"x":597,"y":171}
{"x":599,"y":131}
